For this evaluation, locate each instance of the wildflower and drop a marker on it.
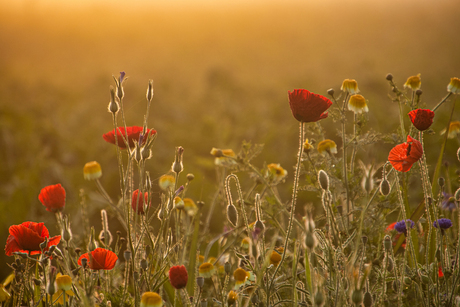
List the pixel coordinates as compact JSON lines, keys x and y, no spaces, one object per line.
{"x":151,"y":299}
{"x":167,"y":182}
{"x":224,"y":157}
{"x":448,"y":202}
{"x":200,"y":259}
{"x":245,"y":243}
{"x":308,"y":107}
{"x":241,"y":277}
{"x":327,"y":146}
{"x":403,"y":156}
{"x":350,"y":86}
{"x":137,"y":202}
{"x":307,"y":147}
{"x":275,"y":172}
{"x":421,"y":118}
{"x":132,"y":134}
{"x":401,"y":226}
{"x":99,"y":259}
{"x":357,"y":104}
{"x":443,"y":223}
{"x":454,"y":86}
{"x":206,"y":269}
{"x":53,"y":198}
{"x":231,"y":298}
{"x":440,"y":273}
{"x":63,"y":286}
{"x":413,"y":82}
{"x":92,"y":170}
{"x":275,"y":256}
{"x":454,"y":129}
{"x":27,"y":237}
{"x":178,"y":276}
{"x":190,"y":206}
{"x":178,"y":203}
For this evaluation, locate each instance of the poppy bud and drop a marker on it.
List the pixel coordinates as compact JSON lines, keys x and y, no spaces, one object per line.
{"x":177,"y":165}
{"x":310,"y":241}
{"x":190,"y":177}
{"x":227,"y":267}
{"x":367,"y":299}
{"x":418,"y":92}
{"x":148,"y":250}
{"x":200,"y":281}
{"x":149,"y":94}
{"x":389,"y":77}
{"x":384,"y":187}
{"x":357,"y":297}
{"x":232,"y":215}
{"x":127,"y":255}
{"x":387,"y":243}
{"x":84,"y":262}
{"x":319,"y":298}
{"x":323,"y":180}
{"x":113,"y":104}
{"x":344,"y":283}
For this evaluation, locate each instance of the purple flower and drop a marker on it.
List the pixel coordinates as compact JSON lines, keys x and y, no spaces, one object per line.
{"x":448,"y":202}
{"x":443,"y":223}
{"x":401,"y":226}
{"x":122,"y":76}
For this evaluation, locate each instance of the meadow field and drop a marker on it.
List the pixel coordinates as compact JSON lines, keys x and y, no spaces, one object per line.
{"x":221,"y":76}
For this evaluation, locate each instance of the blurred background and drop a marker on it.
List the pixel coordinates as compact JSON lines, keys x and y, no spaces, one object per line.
{"x":221,"y":72}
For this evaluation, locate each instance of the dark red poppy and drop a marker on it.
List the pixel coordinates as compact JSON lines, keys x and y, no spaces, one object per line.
{"x":137,"y":201}
{"x":53,"y":197}
{"x":308,"y":107}
{"x":404,"y":155}
{"x":26,"y":238}
{"x":100,"y":259}
{"x":133,"y":135}
{"x":421,"y":118}
{"x":178,"y":276}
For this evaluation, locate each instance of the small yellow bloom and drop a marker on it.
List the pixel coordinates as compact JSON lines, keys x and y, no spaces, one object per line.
{"x":190,"y":206}
{"x":275,"y":256}
{"x":178,"y":203}
{"x":151,"y":299}
{"x":245,"y":243}
{"x":454,"y":86}
{"x":454,"y":129}
{"x":350,"y":86}
{"x":200,"y":259}
{"x":307,"y":147}
{"x":224,"y":157}
{"x":275,"y":172}
{"x":63,"y":286}
{"x":206,"y":270}
{"x":327,"y":146}
{"x":231,"y":298}
{"x":414,"y":82}
{"x":92,"y":170}
{"x":241,"y":277}
{"x":357,"y":104}
{"x":167,"y":182}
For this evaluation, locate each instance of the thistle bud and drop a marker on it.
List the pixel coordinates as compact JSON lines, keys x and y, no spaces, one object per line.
{"x":330,"y":92}
{"x":389,"y":77}
{"x":113,"y":104}
{"x":149,"y":94}
{"x":384,"y":187}
{"x":387,"y":243}
{"x":323,"y":180}
{"x":232,"y":215}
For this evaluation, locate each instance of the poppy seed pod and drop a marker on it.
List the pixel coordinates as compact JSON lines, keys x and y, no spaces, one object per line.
{"x":384,"y":187}
{"x":357,"y":297}
{"x":389,"y":77}
{"x":387,"y":243}
{"x":330,"y":92}
{"x":441,"y":181}
{"x":200,"y":281}
{"x":323,"y":180}
{"x":232,"y":215}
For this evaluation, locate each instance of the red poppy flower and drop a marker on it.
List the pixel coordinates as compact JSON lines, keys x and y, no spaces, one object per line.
{"x":178,"y":276}
{"x":402,"y":156}
{"x":137,"y":201}
{"x":26,"y":238}
{"x":440,"y":273}
{"x":421,"y":118}
{"x":133,"y":135}
{"x":100,"y":259}
{"x":53,"y":197}
{"x":308,"y":107}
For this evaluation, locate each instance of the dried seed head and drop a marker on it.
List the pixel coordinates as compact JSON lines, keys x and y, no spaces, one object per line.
{"x":389,"y":77}
{"x":190,"y":177}
{"x":323,"y":180}
{"x":418,"y":92}
{"x":127,"y":255}
{"x":232,"y":215}
{"x":384,"y":187}
{"x":364,"y":239}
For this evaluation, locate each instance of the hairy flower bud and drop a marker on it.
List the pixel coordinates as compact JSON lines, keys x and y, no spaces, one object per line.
{"x":357,"y":297}
{"x":330,"y":92}
{"x":323,"y":180}
{"x":149,"y":94}
{"x":441,"y":181}
{"x":113,"y":104}
{"x":200,"y":281}
{"x":367,"y":302}
{"x":389,"y":77}
{"x":232,"y":215}
{"x":384,"y":187}
{"x":387,"y":243}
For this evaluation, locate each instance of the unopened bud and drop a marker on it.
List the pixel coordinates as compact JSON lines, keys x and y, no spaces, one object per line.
{"x":389,"y":77}
{"x":177,"y":165}
{"x":364,"y":239}
{"x":190,"y":177}
{"x":44,"y":244}
{"x":384,"y":187}
{"x":330,"y":92}
{"x":200,"y":281}
{"x":259,"y":225}
{"x":84,"y":262}
{"x":113,"y":104}
{"x":149,"y":94}
{"x":144,"y":264}
{"x":357,"y":297}
{"x":323,"y":180}
{"x":387,"y":243}
{"x":232,"y":215}
{"x":367,"y":301}
{"x":148,"y":250}
{"x":228,"y":267}
{"x":319,"y":298}
{"x":127,"y":255}
{"x":441,"y":181}
{"x":407,"y":281}
{"x":418,"y":92}
{"x":457,"y":195}
{"x":310,"y":241}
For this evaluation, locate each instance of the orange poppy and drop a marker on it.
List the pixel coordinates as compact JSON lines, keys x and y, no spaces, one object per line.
{"x":100,"y":259}
{"x":421,"y":118}
{"x":132,"y":134}
{"x":404,"y":155}
{"x":53,"y":197}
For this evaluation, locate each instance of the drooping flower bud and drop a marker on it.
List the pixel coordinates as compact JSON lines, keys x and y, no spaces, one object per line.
{"x":323,"y":180}
{"x":384,"y":187}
